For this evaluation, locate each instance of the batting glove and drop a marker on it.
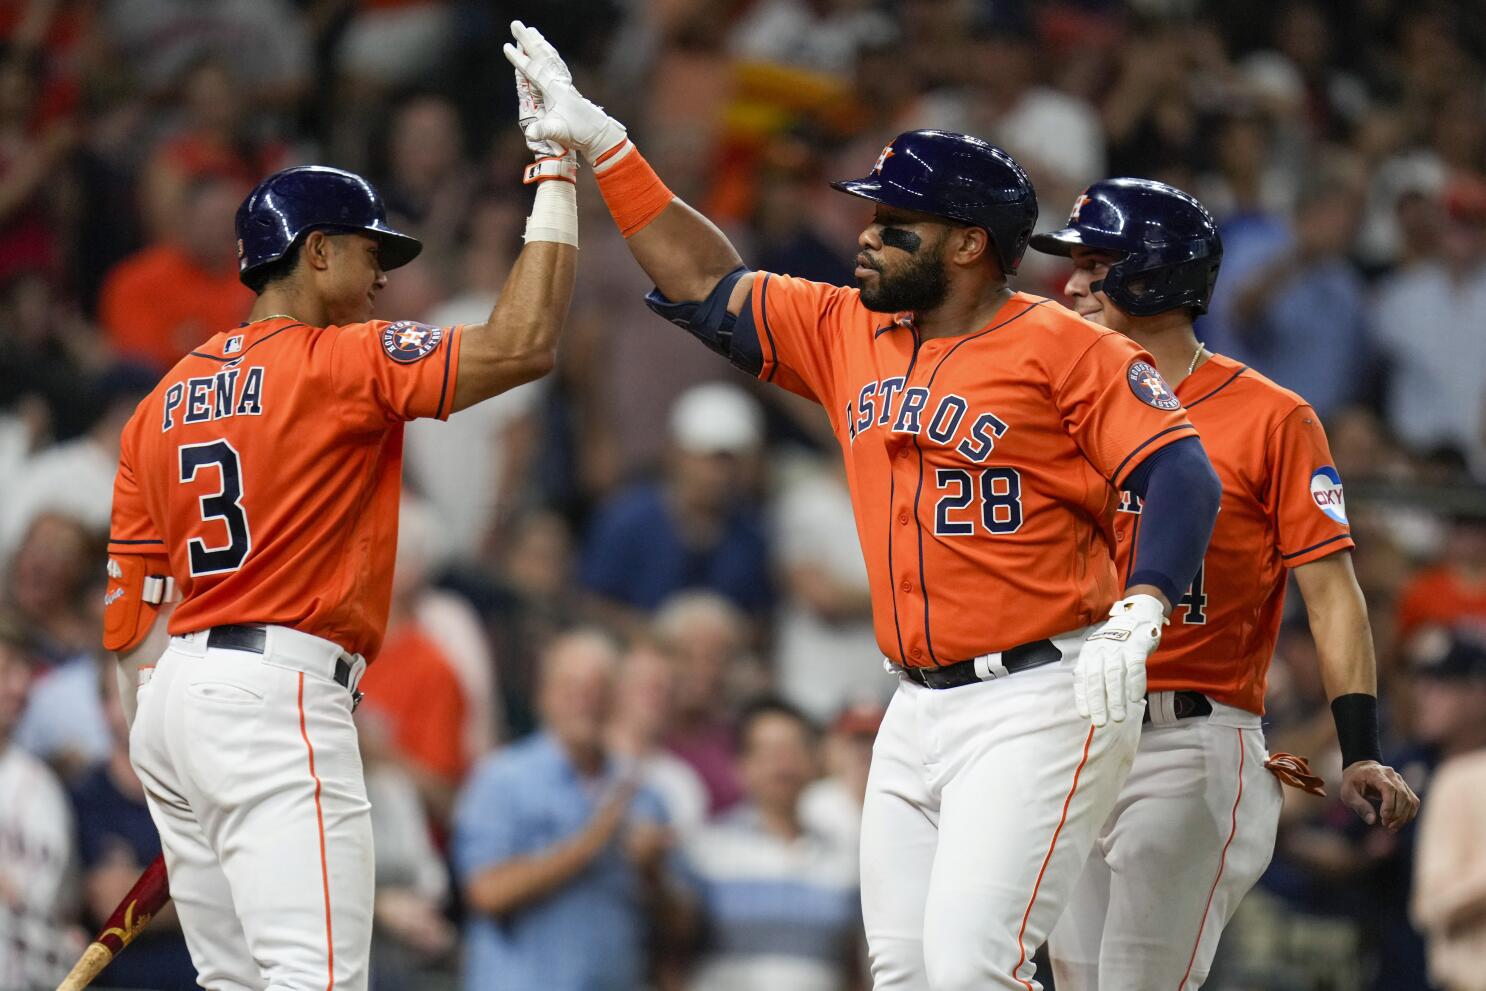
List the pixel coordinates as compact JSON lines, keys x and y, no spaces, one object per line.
{"x":553,"y":160}
{"x":563,"y":114}
{"x":1111,"y":668}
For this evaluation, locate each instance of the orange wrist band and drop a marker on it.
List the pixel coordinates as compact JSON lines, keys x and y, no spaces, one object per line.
{"x":633,"y":192}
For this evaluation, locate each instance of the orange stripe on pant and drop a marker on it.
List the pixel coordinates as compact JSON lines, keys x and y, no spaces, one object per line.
{"x":324,"y":863}
{"x":1021,"y":935}
{"x":1222,"y":862}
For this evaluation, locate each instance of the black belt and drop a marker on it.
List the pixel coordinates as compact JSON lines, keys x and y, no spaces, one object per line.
{"x":1019,"y":658}
{"x":252,"y":638}
{"x":1185,"y":705}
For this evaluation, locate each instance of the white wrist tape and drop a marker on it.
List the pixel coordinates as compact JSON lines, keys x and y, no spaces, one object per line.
{"x":554,"y":213}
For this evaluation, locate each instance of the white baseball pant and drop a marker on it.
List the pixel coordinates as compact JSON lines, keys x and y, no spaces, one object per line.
{"x":253,"y":777}
{"x":1191,"y":832}
{"x":982,"y":804}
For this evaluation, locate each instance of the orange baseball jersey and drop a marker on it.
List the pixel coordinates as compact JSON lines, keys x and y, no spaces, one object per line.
{"x":982,"y":468}
{"x":1282,"y":507}
{"x":267,"y":465}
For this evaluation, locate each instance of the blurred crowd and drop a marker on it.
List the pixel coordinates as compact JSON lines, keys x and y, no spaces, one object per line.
{"x":618,"y":734}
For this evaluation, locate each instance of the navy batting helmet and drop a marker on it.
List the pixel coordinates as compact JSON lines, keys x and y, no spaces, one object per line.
{"x":1167,"y":242}
{"x":289,"y":204}
{"x":959,"y":177}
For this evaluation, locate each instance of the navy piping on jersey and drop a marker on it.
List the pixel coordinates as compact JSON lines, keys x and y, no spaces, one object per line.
{"x":763,"y":308}
{"x":980,"y":333}
{"x":239,"y":355}
{"x":1134,"y":540}
{"x":1219,"y":389}
{"x":444,"y":389}
{"x":923,"y":584}
{"x":1307,"y":550}
{"x":892,"y":490}
{"x":111,"y":540}
{"x":1147,"y":443}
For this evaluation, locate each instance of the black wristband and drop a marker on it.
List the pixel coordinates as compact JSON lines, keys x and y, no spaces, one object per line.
{"x":1356,"y":717}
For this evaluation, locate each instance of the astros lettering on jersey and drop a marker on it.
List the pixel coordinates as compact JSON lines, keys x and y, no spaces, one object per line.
{"x":983,"y":468}
{"x":1282,"y":507}
{"x":268,"y":463}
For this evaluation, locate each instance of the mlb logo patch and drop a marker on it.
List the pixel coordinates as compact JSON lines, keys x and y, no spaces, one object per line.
{"x":407,"y":341}
{"x":1150,"y":388}
{"x":1326,"y":490}
{"x":233,"y":345}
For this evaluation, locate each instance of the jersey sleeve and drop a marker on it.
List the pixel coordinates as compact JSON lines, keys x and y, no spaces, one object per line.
{"x":1117,"y":408}
{"x":385,"y":373}
{"x":130,"y":529}
{"x":798,"y":323}
{"x":1305,"y":491}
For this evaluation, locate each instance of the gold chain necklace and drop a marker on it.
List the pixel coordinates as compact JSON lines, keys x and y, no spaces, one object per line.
{"x":1197,"y":355}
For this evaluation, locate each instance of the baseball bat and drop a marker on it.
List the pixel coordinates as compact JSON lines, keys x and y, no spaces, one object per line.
{"x":134,"y":912}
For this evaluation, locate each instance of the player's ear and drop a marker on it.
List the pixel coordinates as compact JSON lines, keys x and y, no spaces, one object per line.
{"x":316,"y":250}
{"x":968,"y":245}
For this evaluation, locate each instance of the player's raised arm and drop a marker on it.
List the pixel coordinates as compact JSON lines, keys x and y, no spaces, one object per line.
{"x":682,"y":251}
{"x":518,"y":343}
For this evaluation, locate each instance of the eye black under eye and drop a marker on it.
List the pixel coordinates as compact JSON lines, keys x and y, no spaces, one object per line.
{"x":897,"y":237}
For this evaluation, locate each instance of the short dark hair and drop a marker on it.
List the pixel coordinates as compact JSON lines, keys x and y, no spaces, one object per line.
{"x":275,"y":271}
{"x":772,"y":705}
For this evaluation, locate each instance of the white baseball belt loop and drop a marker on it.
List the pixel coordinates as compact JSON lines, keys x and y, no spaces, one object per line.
{"x":989,"y":666}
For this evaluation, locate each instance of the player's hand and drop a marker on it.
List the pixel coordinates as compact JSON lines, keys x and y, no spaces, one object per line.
{"x":563,"y":114}
{"x":554,"y":161}
{"x":1366,"y":781}
{"x":1110,"y":673}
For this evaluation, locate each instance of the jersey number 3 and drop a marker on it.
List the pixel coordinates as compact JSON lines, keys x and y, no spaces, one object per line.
{"x":225,"y":504}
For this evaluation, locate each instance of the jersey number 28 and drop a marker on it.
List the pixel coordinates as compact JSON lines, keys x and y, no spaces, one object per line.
{"x":225,"y":504}
{"x":1000,"y":493}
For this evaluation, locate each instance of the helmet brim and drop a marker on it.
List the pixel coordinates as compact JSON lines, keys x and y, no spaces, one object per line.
{"x":873,"y":188}
{"x":394,"y":248}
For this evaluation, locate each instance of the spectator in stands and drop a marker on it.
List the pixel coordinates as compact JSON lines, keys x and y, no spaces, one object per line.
{"x":213,"y":138}
{"x":644,"y":710}
{"x":53,"y":568}
{"x":1300,"y":316}
{"x":30,"y":157}
{"x":1451,"y":592}
{"x":833,"y":804}
{"x":1429,"y":326}
{"x":76,"y":477}
{"x":415,"y":705}
{"x":1449,"y":898}
{"x":558,"y":853}
{"x":697,"y":527}
{"x":37,"y":874}
{"x":826,"y":655}
{"x":706,"y":638}
{"x":778,"y":901}
{"x":160,"y":303}
{"x":116,"y":841}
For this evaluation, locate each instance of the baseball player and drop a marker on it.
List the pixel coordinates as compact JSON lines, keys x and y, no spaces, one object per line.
{"x":262,"y":474}
{"x":985,"y":433}
{"x":1194,"y":825}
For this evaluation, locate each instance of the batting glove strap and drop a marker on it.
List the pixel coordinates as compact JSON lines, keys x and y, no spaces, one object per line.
{"x":561,"y":167}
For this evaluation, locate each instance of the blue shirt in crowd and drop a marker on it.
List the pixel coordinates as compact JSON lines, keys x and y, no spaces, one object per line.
{"x":110,"y":823}
{"x":635,"y":555}
{"x":587,"y":936}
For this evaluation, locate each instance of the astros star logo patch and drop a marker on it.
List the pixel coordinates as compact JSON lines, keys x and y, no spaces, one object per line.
{"x":882,"y":159}
{"x":1150,"y":388}
{"x":406,"y":341}
{"x":1078,"y":206}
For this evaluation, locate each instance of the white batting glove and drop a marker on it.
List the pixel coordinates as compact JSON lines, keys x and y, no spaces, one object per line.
{"x":562,"y":114}
{"x":1110,"y":672}
{"x":553,"y":160}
